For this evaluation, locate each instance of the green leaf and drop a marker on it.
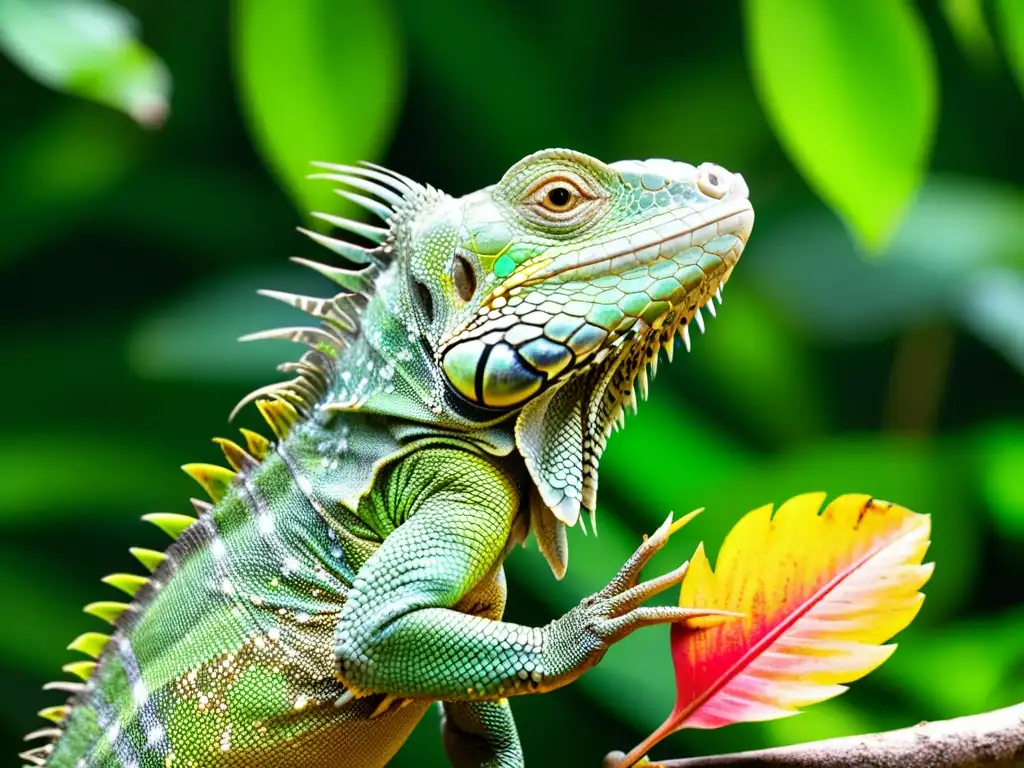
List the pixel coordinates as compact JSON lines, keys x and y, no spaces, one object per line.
{"x":999,"y":456}
{"x":850,"y":89}
{"x":88,"y":48}
{"x":966,"y":19}
{"x":320,"y":80}
{"x":958,"y":230}
{"x":1011,"y":26}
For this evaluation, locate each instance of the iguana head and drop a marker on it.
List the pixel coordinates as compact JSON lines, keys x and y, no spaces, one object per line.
{"x":541,"y":299}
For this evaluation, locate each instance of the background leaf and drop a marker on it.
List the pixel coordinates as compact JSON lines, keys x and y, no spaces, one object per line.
{"x":858,"y":126}
{"x":89,"y":48}
{"x":1010,"y":16}
{"x":320,"y":80}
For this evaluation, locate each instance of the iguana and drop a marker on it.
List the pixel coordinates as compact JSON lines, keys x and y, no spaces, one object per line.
{"x":455,"y":396}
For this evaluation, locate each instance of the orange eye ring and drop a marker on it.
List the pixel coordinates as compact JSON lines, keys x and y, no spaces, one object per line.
{"x":558,"y":195}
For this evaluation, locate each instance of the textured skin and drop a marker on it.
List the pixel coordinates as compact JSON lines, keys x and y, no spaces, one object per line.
{"x":349,"y":574}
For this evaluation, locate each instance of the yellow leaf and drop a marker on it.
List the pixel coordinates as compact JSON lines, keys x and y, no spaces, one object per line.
{"x":819,"y":594}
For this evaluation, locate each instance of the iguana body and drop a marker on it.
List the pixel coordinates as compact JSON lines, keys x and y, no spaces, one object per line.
{"x":456,"y":397}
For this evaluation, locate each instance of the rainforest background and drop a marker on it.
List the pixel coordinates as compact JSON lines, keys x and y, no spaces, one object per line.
{"x":872,"y":339}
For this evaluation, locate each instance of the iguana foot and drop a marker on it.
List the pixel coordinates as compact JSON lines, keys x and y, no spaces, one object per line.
{"x":579,"y":639}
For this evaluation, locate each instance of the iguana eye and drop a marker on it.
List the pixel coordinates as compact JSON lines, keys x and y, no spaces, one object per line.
{"x":561,"y":199}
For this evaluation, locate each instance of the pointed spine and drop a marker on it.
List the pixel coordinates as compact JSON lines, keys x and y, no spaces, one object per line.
{"x":80,"y":669}
{"x":216,"y":481}
{"x":354,"y":280}
{"x":366,"y":185}
{"x":107,"y":610}
{"x":328,"y":309}
{"x":168,"y":522}
{"x":129,"y":583}
{"x":65,"y":686}
{"x":54,"y":714}
{"x":374,"y":233}
{"x":258,"y":445}
{"x":90,"y":643}
{"x":280,"y":416}
{"x":375,"y":207}
{"x":390,"y":178}
{"x":346,"y":250}
{"x":149,"y":558}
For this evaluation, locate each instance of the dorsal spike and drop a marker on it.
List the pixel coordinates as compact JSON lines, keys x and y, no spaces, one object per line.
{"x":45,"y":733}
{"x":201,"y":507}
{"x":377,"y":208}
{"x":90,"y":643}
{"x":346,"y":250}
{"x":107,"y":610}
{"x":129,"y":583}
{"x":391,"y":179}
{"x":280,"y":415}
{"x":216,"y":481}
{"x":401,"y":177}
{"x":80,"y":669}
{"x":385,"y":194}
{"x":370,"y":232}
{"x":308,"y":335}
{"x":236,"y":455}
{"x":258,"y":445}
{"x":53,"y":714}
{"x":355,"y":280}
{"x":324,"y":309}
{"x":149,"y":558}
{"x":168,"y":522}
{"x":37,"y":756}
{"x":64,"y":686}
{"x":266,"y":390}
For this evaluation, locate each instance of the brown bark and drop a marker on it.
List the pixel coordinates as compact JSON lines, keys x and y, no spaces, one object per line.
{"x":990,"y":739}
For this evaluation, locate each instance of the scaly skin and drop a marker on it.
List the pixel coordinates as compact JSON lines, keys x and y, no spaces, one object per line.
{"x":350,"y":573}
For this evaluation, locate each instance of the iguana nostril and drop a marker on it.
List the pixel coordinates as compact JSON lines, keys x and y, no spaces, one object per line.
{"x":713,"y":180}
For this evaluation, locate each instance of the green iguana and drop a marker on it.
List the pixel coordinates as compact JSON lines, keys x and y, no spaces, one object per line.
{"x":457,"y":395}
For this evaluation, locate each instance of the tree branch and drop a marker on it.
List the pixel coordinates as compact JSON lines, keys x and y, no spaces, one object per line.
{"x":990,"y":739}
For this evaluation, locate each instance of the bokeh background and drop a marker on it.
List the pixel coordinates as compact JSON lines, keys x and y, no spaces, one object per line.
{"x":872,"y":339}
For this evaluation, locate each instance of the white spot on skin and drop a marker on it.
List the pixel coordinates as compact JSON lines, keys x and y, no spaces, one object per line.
{"x":274,"y":634}
{"x":218,"y":550}
{"x":301,"y":702}
{"x":225,"y":740}
{"x":139,"y":693}
{"x":290,"y":566}
{"x":265,"y":524}
{"x":154,"y":735}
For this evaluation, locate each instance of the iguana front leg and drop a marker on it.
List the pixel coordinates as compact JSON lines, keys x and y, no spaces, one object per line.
{"x":398,"y":632}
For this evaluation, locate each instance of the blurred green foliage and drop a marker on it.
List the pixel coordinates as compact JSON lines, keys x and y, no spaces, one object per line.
{"x":129,"y":261}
